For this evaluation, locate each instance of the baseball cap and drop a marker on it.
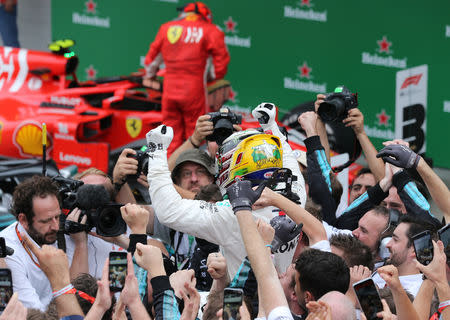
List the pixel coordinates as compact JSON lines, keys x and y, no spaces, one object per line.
{"x":197,"y":156}
{"x":300,"y":155}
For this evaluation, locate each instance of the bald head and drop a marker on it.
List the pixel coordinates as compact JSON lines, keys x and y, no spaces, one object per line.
{"x":341,"y":306}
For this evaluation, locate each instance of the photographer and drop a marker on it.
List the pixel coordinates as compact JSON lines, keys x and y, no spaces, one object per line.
{"x":37,"y":208}
{"x":135,"y":221}
{"x":353,"y":117}
{"x":204,"y":127}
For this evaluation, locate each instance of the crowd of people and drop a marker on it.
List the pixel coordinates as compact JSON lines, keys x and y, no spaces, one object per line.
{"x":241,"y":228}
{"x":216,"y":224}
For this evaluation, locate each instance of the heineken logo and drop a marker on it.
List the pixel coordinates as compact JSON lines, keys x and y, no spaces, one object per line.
{"x":231,"y":35}
{"x":384,"y":58}
{"x":89,"y":16}
{"x":303,"y":11}
{"x":383,"y":118}
{"x":299,"y":83}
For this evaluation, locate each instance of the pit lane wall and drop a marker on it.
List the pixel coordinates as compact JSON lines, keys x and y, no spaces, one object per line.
{"x":287,"y":51}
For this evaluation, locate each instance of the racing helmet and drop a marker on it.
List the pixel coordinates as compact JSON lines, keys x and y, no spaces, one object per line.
{"x":249,"y":155}
{"x":199,"y":8}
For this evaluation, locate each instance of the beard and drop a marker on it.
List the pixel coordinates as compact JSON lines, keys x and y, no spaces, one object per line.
{"x":395,"y":259}
{"x":41,"y":238}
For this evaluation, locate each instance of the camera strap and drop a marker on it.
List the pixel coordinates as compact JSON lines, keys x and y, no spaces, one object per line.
{"x":352,"y":157}
{"x":25,"y":246}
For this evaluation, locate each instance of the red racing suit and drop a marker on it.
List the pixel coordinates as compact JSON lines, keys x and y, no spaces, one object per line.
{"x":185,"y":46}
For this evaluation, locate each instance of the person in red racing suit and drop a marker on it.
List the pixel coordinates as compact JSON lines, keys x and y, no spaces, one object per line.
{"x":185,"y":46}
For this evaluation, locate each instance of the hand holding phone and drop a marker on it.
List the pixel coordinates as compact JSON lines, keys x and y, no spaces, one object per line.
{"x":232,"y":300}
{"x":423,"y":246}
{"x":117,"y":270}
{"x":368,"y":297}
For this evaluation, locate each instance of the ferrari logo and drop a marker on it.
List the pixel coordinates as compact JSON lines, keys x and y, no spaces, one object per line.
{"x":174,"y":33}
{"x":134,"y":126}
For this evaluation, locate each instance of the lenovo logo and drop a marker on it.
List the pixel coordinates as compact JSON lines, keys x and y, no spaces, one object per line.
{"x":74,"y":159}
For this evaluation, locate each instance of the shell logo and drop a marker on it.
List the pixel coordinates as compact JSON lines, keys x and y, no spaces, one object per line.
{"x":28,"y":139}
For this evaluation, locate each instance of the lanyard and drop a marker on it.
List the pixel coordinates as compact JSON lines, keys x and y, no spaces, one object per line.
{"x":26,"y":247}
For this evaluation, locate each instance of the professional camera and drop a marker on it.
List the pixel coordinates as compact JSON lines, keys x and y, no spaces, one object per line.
{"x":223,"y":124}
{"x":336,"y":105}
{"x":94,"y":201}
{"x":142,"y":157}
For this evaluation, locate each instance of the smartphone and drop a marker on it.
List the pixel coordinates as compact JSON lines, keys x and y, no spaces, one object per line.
{"x":368,"y":298}
{"x":117,"y":270}
{"x":232,"y":300}
{"x":6,"y":288}
{"x":423,"y":246}
{"x":444,"y":236}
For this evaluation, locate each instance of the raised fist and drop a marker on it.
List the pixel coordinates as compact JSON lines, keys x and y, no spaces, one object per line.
{"x":159,"y":138}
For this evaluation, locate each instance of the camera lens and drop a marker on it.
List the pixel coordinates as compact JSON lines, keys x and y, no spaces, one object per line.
{"x":222,"y":130}
{"x":331,"y":110}
{"x":110,"y":222}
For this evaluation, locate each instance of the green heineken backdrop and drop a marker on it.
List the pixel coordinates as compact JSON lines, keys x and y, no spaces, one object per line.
{"x":287,"y":51}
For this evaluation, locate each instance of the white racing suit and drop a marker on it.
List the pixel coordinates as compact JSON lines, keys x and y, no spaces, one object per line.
{"x":215,"y":222}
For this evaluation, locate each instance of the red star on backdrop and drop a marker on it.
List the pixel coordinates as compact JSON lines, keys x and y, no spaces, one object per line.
{"x":90,"y":6}
{"x":384,"y":45}
{"x":91,"y":73}
{"x":232,"y":95}
{"x":383,"y":118}
{"x":306,"y":3}
{"x":304,"y":70}
{"x":230,"y":25}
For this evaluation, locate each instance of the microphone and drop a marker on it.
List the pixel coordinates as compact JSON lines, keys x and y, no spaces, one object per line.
{"x":8,"y":251}
{"x":92,"y":196}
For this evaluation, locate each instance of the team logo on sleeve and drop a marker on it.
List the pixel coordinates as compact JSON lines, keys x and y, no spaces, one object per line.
{"x":174,"y":33}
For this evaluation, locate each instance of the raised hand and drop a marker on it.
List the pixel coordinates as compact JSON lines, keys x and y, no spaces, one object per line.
{"x":159,"y":138}
{"x":242,"y":196}
{"x":400,"y":156}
